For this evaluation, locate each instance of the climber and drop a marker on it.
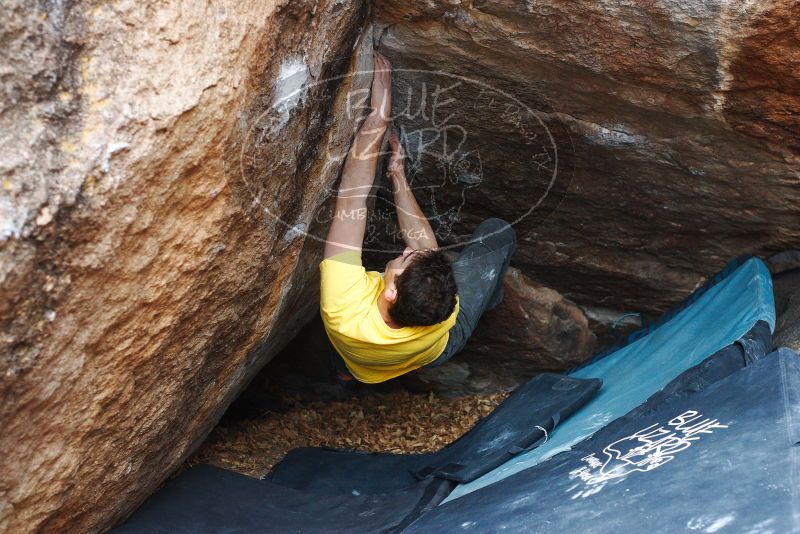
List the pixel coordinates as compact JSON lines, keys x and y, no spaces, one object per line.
{"x":424,"y":307}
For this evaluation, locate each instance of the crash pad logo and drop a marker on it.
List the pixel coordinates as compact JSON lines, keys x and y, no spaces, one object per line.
{"x":647,"y":449}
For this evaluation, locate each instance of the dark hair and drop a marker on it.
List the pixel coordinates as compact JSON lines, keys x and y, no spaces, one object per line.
{"x":426,"y":290}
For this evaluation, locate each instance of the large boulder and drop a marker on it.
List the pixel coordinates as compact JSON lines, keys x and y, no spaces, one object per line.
{"x":159,"y":164}
{"x":637,"y":145}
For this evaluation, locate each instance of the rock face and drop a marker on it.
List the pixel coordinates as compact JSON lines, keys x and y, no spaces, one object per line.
{"x":533,"y":329}
{"x":654,"y":140}
{"x":787,"y":306}
{"x":158,"y":165}
{"x":533,"y":324}
{"x":785,"y":268}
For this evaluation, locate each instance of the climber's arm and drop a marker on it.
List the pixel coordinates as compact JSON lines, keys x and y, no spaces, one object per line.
{"x":358,"y":174}
{"x":414,"y":226}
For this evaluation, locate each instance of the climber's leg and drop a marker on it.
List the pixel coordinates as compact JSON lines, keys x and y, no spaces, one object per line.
{"x":479,"y":271}
{"x":341,"y":374}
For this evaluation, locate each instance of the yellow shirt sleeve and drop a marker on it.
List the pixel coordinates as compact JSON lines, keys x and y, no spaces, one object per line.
{"x":343,"y":282}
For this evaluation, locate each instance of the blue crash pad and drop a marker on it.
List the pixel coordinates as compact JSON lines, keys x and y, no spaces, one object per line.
{"x":716,"y":315}
{"x":724,"y":459}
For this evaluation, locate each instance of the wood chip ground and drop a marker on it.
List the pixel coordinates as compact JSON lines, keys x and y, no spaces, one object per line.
{"x":399,"y":422}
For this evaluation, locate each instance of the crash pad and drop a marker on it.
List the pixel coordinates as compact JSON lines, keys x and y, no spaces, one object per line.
{"x":714,"y":316}
{"x":725,"y":459}
{"x":210,"y":500}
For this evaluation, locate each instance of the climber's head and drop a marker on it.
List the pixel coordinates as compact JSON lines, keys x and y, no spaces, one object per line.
{"x":420,"y":286}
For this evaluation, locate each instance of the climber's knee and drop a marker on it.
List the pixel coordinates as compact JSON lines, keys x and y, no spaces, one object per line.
{"x":495,"y":233}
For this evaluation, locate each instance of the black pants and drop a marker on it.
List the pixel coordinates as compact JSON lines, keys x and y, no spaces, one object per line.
{"x":479,"y":271}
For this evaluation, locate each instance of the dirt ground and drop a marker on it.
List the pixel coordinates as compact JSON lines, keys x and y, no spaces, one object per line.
{"x":393,"y":422}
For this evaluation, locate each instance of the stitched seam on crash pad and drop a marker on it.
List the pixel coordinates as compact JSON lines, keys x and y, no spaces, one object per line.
{"x":793,"y":447}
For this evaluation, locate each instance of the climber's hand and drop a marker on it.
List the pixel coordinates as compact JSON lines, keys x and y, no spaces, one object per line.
{"x":381,"y":88}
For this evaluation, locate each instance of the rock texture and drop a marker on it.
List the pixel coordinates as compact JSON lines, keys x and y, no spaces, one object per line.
{"x":673,"y":127}
{"x":143,"y":282}
{"x":533,"y":329}
{"x":787,"y":307}
{"x":533,"y":323}
{"x":785,"y":268}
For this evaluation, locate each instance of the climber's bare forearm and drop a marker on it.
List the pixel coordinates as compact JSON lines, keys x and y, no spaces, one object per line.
{"x":414,"y":226}
{"x":358,"y":175}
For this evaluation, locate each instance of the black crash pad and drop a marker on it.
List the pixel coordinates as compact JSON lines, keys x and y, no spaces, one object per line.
{"x":522,"y":421}
{"x":206,"y":499}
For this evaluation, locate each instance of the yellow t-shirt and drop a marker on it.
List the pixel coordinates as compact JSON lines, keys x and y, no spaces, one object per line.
{"x":372,"y":351}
